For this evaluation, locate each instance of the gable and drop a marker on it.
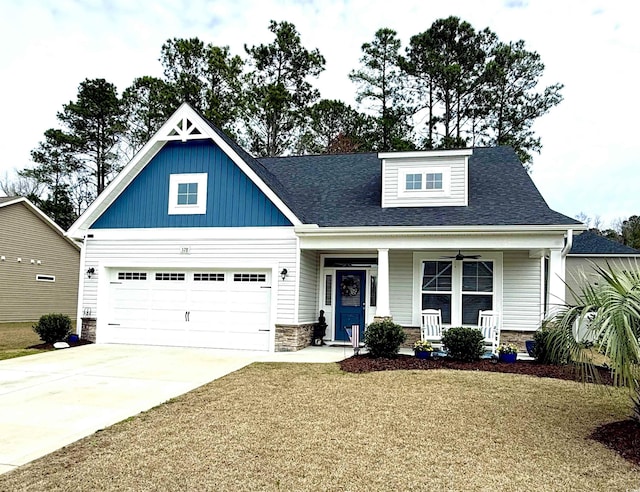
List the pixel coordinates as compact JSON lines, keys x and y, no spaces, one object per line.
{"x":232,"y":199}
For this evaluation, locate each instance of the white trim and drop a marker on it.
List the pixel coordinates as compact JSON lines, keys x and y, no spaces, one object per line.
{"x":296,"y":292}
{"x":456,"y":291}
{"x":425,"y":153}
{"x":315,"y":230}
{"x":631,"y":256}
{"x":194,"y":233}
{"x":81,"y":273}
{"x":200,"y":207}
{"x":150,"y":149}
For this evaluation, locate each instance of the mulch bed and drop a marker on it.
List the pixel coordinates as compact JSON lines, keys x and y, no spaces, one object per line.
{"x":49,"y":346}
{"x":622,"y":437}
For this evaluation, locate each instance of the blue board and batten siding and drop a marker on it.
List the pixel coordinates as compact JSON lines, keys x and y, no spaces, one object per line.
{"x":233,"y":200}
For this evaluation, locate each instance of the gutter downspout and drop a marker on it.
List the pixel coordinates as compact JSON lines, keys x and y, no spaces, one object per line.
{"x":568,"y":244}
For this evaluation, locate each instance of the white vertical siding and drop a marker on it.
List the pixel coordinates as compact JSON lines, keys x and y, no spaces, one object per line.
{"x":458,"y":190}
{"x":401,"y":286}
{"x":308,"y":291}
{"x":204,"y":253}
{"x":522,"y":309}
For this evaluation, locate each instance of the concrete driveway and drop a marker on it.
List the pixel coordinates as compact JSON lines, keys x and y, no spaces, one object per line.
{"x":52,"y":399}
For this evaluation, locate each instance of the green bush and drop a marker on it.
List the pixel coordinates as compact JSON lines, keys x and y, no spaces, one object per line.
{"x":549,"y":344}
{"x":464,"y":344}
{"x":383,"y":338}
{"x":53,"y":327}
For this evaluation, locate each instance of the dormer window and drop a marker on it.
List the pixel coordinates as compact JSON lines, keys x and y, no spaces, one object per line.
{"x":434,"y":181}
{"x":425,"y":182}
{"x":425,"y":178}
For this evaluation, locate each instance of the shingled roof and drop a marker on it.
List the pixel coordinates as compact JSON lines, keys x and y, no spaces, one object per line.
{"x":590,"y":243}
{"x":344,"y":190}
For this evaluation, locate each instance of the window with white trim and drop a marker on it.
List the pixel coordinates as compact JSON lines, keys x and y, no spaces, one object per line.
{"x":425,"y":182}
{"x":188,"y":194}
{"x":460,"y":289}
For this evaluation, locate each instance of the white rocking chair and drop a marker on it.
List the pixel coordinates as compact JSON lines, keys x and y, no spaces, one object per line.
{"x":431,"y":325}
{"x":488,"y":325}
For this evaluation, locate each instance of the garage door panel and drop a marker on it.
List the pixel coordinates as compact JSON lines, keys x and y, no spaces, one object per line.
{"x":218,"y":309}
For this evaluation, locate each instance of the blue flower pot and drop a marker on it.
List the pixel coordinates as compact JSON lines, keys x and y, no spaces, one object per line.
{"x":423,"y":355}
{"x":531,"y":347}
{"x":509,"y":358}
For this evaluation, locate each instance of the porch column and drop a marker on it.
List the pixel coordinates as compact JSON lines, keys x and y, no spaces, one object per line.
{"x":556,"y":288}
{"x":382,"y":309}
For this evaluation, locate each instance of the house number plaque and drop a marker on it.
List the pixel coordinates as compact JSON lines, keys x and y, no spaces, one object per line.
{"x":185,"y":250}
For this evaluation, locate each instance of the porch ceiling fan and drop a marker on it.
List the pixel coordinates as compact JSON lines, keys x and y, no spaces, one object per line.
{"x":461,"y":257}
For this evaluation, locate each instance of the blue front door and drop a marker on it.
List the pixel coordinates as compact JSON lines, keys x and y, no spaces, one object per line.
{"x":350,"y":302}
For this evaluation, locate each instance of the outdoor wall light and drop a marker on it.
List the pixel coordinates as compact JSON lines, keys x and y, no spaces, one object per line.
{"x":2,"y":258}
{"x":90,"y":272}
{"x":283,"y":273}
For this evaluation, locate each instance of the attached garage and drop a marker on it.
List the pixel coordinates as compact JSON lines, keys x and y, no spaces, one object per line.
{"x":189,"y":307}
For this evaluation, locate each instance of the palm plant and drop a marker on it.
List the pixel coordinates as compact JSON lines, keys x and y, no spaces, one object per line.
{"x":611,"y":310}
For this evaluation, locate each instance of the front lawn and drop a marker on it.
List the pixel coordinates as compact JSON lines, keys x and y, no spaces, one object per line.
{"x":314,"y":427}
{"x":16,"y":338}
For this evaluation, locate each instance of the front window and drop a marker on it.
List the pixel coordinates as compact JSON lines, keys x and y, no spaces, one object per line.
{"x":437,"y":287}
{"x":460,"y":289}
{"x":187,"y":194}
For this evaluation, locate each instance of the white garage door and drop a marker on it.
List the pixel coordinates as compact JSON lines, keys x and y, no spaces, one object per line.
{"x":190,"y":308}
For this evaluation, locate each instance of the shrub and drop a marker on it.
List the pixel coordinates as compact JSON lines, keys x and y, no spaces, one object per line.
{"x":464,"y":344}
{"x":383,"y":338}
{"x":53,"y":327}
{"x":549,"y":344}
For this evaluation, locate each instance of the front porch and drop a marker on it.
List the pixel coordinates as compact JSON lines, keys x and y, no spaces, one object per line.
{"x":519,"y":276}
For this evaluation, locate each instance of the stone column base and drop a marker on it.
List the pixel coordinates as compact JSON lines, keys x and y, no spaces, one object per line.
{"x":290,"y":338}
{"x":88,"y":330}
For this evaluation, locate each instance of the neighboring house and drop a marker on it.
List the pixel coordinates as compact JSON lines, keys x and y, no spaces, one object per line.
{"x":589,"y":249}
{"x":197,"y":243}
{"x":39,"y":265}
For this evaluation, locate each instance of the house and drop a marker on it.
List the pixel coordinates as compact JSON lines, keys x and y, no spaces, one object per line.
{"x":196,"y":243}
{"x":39,"y":265}
{"x":589,"y":249}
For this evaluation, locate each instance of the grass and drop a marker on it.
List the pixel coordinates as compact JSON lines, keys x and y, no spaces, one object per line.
{"x":311,"y":427}
{"x":15,"y":338}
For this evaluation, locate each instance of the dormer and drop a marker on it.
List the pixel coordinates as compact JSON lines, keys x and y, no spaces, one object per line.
{"x":432,"y":178}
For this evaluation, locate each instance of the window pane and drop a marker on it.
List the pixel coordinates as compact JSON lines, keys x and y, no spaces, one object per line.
{"x":193,"y":187}
{"x":477,"y":276}
{"x":182,"y":199}
{"x":373,"y":292}
{"x":471,"y":304}
{"x":434,"y":181}
{"x":182,"y":188}
{"x":440,"y":281}
{"x":192,"y":199}
{"x":350,"y":290}
{"x":413,"y":182}
{"x":328,"y":283}
{"x":438,"y":301}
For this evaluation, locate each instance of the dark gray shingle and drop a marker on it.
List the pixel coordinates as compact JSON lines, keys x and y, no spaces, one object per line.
{"x":589,"y":243}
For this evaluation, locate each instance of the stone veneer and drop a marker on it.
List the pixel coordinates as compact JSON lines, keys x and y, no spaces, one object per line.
{"x":290,"y":338}
{"x":89,"y":329}
{"x":517,"y":338}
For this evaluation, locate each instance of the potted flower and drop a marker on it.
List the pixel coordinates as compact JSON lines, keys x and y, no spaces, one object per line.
{"x":422,"y":349}
{"x":507,"y":353}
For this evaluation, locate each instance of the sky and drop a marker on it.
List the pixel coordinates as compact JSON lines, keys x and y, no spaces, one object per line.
{"x":589,"y":159}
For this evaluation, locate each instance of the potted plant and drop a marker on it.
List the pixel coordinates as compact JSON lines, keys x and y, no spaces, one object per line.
{"x":422,"y":349}
{"x":507,"y":353}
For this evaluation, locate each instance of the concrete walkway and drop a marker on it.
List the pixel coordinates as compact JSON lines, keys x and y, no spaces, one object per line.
{"x":50,"y":400}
